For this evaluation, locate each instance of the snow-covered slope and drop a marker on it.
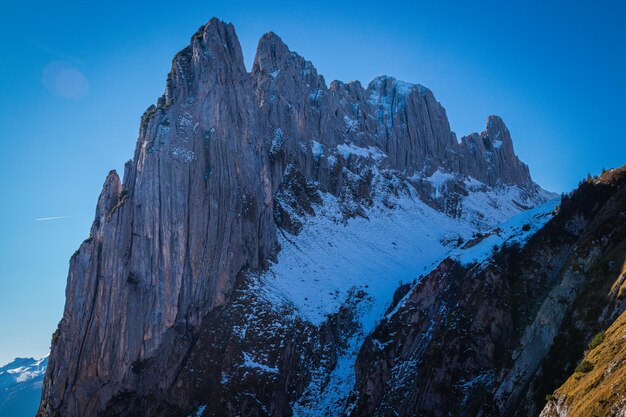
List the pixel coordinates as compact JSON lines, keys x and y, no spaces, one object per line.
{"x":20,"y":386}
{"x":397,"y":240}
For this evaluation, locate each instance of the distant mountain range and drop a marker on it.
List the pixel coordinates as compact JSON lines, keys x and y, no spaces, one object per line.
{"x":20,"y":386}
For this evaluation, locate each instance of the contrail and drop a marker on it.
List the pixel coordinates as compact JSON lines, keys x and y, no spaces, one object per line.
{"x":51,"y":218}
{"x":58,"y":54}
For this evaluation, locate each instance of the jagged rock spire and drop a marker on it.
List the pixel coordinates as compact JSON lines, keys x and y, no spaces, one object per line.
{"x":491,"y":158}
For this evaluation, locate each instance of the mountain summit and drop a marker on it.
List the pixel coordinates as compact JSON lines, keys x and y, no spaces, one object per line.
{"x":261,"y":231}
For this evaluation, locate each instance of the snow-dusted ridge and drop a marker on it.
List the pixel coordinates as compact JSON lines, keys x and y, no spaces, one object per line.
{"x":24,"y":369}
{"x":516,"y":230}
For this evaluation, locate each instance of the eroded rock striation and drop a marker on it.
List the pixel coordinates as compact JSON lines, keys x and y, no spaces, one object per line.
{"x":194,"y":293}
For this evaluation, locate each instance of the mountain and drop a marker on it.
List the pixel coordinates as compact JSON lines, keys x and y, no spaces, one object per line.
{"x":20,"y":386}
{"x":257,"y":255}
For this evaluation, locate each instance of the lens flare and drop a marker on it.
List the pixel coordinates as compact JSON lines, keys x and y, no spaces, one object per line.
{"x":64,"y":80}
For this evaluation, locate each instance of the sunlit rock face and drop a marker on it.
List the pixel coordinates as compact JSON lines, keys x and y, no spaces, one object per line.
{"x":259,"y":234}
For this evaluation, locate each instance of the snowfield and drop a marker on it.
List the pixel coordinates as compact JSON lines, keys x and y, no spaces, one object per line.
{"x":318,"y":269}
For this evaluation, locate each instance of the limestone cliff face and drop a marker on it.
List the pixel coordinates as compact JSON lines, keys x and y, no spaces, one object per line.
{"x":197,"y":209}
{"x":194,"y":210}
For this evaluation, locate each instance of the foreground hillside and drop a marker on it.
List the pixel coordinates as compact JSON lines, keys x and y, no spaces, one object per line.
{"x":598,"y":385}
{"x":495,"y":337}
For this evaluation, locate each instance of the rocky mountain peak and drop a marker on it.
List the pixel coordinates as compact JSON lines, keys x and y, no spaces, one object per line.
{"x":107,"y":201}
{"x":218,"y":40}
{"x":234,"y":173}
{"x":497,"y":137}
{"x":351,"y":89}
{"x":283,"y":73}
{"x":387,"y":86}
{"x":272,"y":54}
{"x":213,"y":55}
{"x":491,"y":157}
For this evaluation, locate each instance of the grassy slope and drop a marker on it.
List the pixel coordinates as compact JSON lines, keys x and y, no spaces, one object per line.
{"x":596,"y":392}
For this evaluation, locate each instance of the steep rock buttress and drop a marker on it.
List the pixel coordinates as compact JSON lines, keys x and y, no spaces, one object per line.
{"x":194,"y":211}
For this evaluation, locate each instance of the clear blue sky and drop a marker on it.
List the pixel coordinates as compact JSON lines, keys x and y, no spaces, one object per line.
{"x":555,"y":71}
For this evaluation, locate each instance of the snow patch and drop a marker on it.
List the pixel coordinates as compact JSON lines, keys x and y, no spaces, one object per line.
{"x":249,"y":362}
{"x":183,"y":155}
{"x":351,"y":124}
{"x":277,"y":141}
{"x":438,"y":179}
{"x":372,"y":152}
{"x":315,"y":95}
{"x":317,"y":149}
{"x":331,"y":256}
{"x":199,"y":411}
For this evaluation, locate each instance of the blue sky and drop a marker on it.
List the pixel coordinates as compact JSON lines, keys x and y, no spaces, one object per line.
{"x":553,"y":70}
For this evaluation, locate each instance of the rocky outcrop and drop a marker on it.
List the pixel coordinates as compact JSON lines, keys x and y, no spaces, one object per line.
{"x":494,"y":338}
{"x":490,"y":156}
{"x":225,"y":165}
{"x":398,"y":125}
